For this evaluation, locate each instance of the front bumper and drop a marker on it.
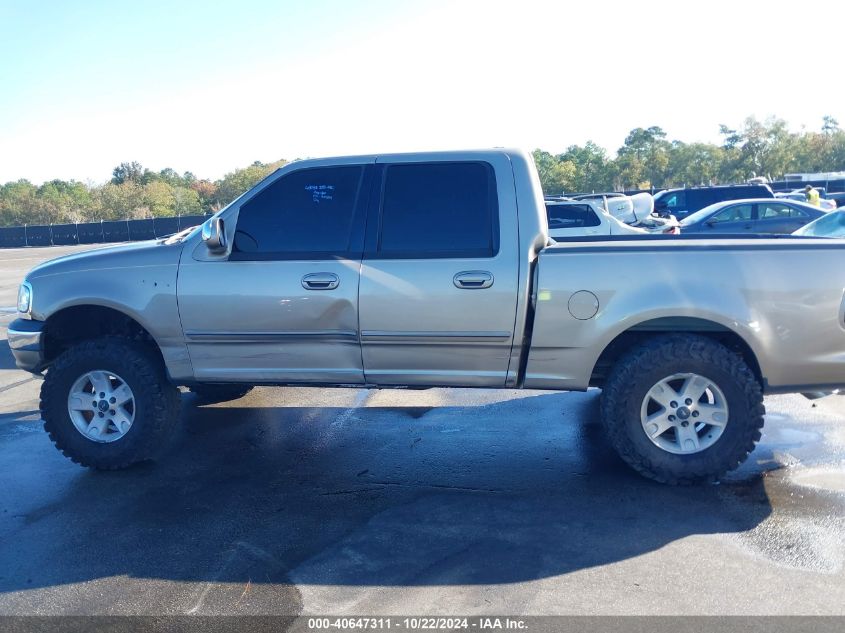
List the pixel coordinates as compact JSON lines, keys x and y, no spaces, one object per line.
{"x":26,"y":340}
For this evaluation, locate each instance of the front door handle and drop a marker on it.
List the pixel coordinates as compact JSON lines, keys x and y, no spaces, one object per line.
{"x":473,"y":279}
{"x":320,"y":281}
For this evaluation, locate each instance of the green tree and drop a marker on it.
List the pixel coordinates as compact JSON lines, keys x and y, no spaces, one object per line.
{"x":206,"y":193}
{"x":119,"y":202}
{"x":759,"y":148}
{"x":556,"y":176}
{"x":158,"y":200}
{"x":235,"y":183}
{"x":592,"y":167}
{"x":127,"y":172}
{"x":65,"y":201}
{"x":19,"y":204}
{"x":693,"y":164}
{"x":643,"y":160}
{"x":186,"y":201}
{"x":830,"y":125}
{"x":171,"y":177}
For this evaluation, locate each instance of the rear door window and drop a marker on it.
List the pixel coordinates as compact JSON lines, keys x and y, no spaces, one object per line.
{"x":776,"y":210}
{"x":571,"y":216}
{"x":438,"y":210}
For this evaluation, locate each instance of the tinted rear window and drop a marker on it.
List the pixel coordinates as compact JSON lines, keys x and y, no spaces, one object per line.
{"x":439,"y":210}
{"x":571,"y":216}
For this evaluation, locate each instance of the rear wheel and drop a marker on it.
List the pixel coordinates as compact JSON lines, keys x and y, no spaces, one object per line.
{"x":682,"y":409}
{"x":108,"y":404}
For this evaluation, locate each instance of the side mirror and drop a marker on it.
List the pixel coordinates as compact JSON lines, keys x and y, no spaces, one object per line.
{"x":710,"y":222}
{"x":214,"y":234}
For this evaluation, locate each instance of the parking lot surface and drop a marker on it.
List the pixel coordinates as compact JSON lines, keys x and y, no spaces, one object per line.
{"x":444,"y":501}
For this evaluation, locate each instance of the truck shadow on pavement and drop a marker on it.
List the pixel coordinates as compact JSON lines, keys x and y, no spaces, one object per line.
{"x":7,"y":361}
{"x":513,"y":491}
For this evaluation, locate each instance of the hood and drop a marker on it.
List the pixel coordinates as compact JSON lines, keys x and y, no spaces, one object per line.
{"x":131,"y":255}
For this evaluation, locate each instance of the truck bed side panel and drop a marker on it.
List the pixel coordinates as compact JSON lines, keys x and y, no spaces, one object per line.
{"x":784,"y":298}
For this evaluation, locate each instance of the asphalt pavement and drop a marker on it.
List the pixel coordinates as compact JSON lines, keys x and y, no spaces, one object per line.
{"x":443,"y":501}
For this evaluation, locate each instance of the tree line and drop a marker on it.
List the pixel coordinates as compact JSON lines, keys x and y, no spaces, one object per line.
{"x":646,"y":159}
{"x":132,"y":193}
{"x":649,"y":159}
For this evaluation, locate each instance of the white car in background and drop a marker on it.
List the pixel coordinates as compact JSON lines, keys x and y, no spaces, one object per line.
{"x":579,"y":218}
{"x":606,"y":214}
{"x":617,"y":204}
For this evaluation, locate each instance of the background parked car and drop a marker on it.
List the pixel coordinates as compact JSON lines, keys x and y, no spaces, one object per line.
{"x":569,"y":219}
{"x":635,"y":212}
{"x":775,"y":215}
{"x":683,"y":202}
{"x":837,"y":197}
{"x":618,"y":204}
{"x":828,"y":201}
{"x":829,"y":225}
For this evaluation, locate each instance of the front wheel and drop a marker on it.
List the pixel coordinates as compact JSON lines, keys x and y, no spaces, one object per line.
{"x":108,"y":404}
{"x":682,"y":409}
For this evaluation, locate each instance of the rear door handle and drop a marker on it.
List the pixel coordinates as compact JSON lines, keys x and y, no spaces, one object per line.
{"x":320,"y":281}
{"x":473,"y":279}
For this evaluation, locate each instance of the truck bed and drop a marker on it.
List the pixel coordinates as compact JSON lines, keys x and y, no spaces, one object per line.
{"x":783,"y":297}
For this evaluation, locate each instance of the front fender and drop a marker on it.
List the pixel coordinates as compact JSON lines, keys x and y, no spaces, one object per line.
{"x":140,"y":283}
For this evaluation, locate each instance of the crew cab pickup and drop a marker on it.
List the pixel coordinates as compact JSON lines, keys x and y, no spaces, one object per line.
{"x":432,"y":270}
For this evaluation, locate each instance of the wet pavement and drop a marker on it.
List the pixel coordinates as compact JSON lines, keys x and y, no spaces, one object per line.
{"x":449,"y":501}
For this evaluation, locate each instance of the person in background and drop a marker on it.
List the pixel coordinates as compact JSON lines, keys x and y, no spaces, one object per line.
{"x":812,"y":196}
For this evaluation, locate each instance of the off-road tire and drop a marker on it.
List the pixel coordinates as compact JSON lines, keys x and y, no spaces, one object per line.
{"x":211,"y":393}
{"x":156,"y":402}
{"x":642,"y":367}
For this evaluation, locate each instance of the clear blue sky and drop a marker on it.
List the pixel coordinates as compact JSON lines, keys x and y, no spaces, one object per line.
{"x":211,"y":86}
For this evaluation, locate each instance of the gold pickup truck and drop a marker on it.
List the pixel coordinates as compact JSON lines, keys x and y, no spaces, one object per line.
{"x":432,"y":270}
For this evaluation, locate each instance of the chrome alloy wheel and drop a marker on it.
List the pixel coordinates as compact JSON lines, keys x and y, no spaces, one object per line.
{"x":684,"y":413}
{"x":101,"y":406}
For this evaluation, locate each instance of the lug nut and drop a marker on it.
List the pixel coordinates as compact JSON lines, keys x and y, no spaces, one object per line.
{"x":100,"y":414}
{"x":695,"y":414}
{"x":102,"y":394}
{"x":112,"y":400}
{"x":684,"y":424}
{"x":671,"y":418}
{"x":673,"y":404}
{"x":688,"y":401}
{"x":111,"y":412}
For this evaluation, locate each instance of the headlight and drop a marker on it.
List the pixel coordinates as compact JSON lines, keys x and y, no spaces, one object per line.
{"x":25,"y":298}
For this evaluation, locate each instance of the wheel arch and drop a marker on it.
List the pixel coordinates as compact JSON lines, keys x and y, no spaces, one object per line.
{"x":636,"y":334}
{"x":76,"y":323}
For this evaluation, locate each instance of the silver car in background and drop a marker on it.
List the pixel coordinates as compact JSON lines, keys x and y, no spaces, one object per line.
{"x":829,"y":225}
